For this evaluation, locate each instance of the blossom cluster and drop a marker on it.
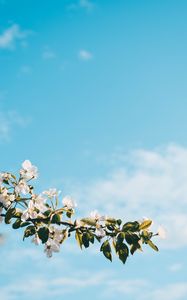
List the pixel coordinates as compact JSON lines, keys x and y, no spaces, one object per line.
{"x":47,"y":218}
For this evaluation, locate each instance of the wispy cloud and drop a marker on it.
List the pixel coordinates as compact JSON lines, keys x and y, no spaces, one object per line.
{"x":175,"y":291}
{"x":52,"y":287}
{"x":109,"y":284}
{"x":88,"y":5}
{"x":125,"y":286}
{"x":176,"y":267}
{"x":48,"y":54}
{"x":144,"y":183}
{"x":24,"y":70}
{"x":11,"y":35}
{"x":8,"y":120}
{"x":85,"y":55}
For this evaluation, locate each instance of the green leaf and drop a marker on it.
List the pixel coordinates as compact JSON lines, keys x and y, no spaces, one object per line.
{"x":122,"y":251}
{"x":47,"y":213}
{"x":153,"y":246}
{"x":106,"y":249}
{"x":91,"y":237}
{"x":18,"y":213}
{"x":56,"y":219}
{"x":110,"y":227}
{"x":98,"y":238}
{"x":13,"y":176}
{"x":43,"y":234}
{"x":16,"y":224}
{"x":111,"y":220}
{"x":145,"y":224}
{"x":78,"y":237}
{"x":24,"y":224}
{"x":119,"y":221}
{"x":131,"y":226}
{"x":120,"y":237}
{"x":85,"y":239}
{"x":29,"y":231}
{"x":9,"y":214}
{"x":104,"y":244}
{"x":107,"y":254}
{"x":5,"y":181}
{"x":146,"y":236}
{"x":89,"y":221}
{"x":135,"y":247}
{"x":65,"y":235}
{"x":131,"y":238}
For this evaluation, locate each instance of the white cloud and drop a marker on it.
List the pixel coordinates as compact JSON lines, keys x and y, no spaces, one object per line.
{"x":176,"y":291}
{"x":124,"y":286}
{"x":145,"y":183}
{"x":48,"y":54}
{"x":85,"y":55}
{"x":25,"y":70}
{"x":108,"y":284}
{"x":144,"y":290}
{"x":175,"y":267}
{"x":83,"y":4}
{"x":51,"y":287}
{"x":12,"y":34}
{"x":87,"y":4}
{"x":7,"y":122}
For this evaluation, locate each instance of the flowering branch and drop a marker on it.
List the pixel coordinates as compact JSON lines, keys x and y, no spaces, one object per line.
{"x":49,"y":224}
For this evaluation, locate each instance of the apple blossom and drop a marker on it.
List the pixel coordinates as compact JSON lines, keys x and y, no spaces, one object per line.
{"x":4,"y":176}
{"x":96,"y":216}
{"x":79,"y":223}
{"x":29,"y":171}
{"x":22,"y":188}
{"x":51,"y":246}
{"x":36,"y":240}
{"x":51,"y":193}
{"x":161,"y":232}
{"x":5,"y":198}
{"x":100,"y":232}
{"x":69,"y":202}
{"x":39,"y":202}
{"x":30,"y":212}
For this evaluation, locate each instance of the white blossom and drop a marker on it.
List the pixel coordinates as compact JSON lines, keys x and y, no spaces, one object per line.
{"x":30,"y":212}
{"x":51,"y":246}
{"x":36,"y":240}
{"x":4,"y":176}
{"x":29,"y":171}
{"x":69,"y":202}
{"x":79,"y":223}
{"x":51,"y":193}
{"x":161,"y":232}
{"x":22,"y":188}
{"x":58,"y":235}
{"x":39,"y":202}
{"x":96,"y":216}
{"x":100,"y":232}
{"x":5,"y":198}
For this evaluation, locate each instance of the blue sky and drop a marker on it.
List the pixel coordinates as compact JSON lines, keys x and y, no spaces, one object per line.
{"x":94,"y":93}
